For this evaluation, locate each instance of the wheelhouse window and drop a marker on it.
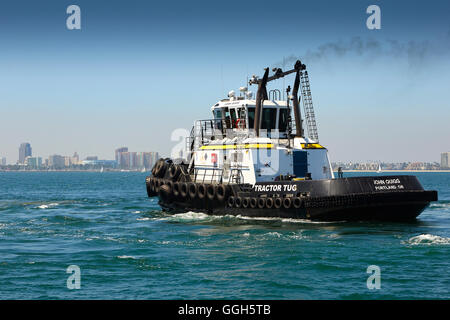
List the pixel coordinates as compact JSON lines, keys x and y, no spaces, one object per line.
{"x":218,"y":114}
{"x":283,"y":120}
{"x":269,"y":118}
{"x":251,"y":117}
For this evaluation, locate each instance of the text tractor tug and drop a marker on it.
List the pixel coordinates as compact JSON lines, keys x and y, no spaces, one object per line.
{"x":252,"y":160}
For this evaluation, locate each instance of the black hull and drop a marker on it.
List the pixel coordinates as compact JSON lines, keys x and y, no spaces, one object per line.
{"x":384,"y":208}
{"x":386,"y":198}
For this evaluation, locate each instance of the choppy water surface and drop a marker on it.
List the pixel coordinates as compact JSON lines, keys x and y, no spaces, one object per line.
{"x":127,"y":248}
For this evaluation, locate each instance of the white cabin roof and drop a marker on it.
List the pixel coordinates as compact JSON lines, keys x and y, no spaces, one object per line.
{"x":236,"y":102}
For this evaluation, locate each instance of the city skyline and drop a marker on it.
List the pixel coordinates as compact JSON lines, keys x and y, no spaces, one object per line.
{"x":4,"y":159}
{"x":123,"y":159}
{"x":134,"y":74}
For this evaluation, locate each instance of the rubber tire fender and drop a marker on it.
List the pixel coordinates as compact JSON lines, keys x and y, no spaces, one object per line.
{"x":201,"y":191}
{"x":211,"y":191}
{"x":269,"y":203}
{"x":184,"y":190}
{"x":238,"y":202}
{"x":278,"y":202}
{"x":221,"y":192}
{"x":176,"y":189}
{"x":261,"y":203}
{"x":297,"y":203}
{"x":174,"y":171}
{"x":245,"y":202}
{"x":287,"y":202}
{"x":192,"y":190}
{"x":230,"y":201}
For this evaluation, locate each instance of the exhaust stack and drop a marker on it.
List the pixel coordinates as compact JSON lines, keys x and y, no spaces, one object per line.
{"x":296,"y":106}
{"x":260,"y":96}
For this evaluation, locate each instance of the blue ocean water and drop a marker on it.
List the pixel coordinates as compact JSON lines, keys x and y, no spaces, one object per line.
{"x":127,"y":248}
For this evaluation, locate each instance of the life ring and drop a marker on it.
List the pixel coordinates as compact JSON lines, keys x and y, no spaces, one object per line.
{"x":240,"y":123}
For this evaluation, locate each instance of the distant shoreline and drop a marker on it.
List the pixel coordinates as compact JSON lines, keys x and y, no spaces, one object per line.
{"x":74,"y":171}
{"x":375,"y":171}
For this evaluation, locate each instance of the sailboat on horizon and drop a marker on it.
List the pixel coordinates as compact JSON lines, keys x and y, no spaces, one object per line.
{"x":379,"y":168}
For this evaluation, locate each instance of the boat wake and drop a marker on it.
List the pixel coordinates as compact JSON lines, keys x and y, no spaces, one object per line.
{"x":192,"y":216}
{"x":427,"y":239}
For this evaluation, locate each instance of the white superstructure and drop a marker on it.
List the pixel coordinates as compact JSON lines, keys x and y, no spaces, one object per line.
{"x":227,"y":149}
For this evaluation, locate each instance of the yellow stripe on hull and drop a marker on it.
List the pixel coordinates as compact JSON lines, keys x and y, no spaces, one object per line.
{"x":256,"y":146}
{"x":239,"y":146}
{"x":312,"y":146}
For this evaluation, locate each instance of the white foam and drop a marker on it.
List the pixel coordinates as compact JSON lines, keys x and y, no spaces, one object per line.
{"x":126,"y":257}
{"x":285,"y":220}
{"x":200,"y":216}
{"x":143,"y":219}
{"x":274,"y":234}
{"x":428,"y":239}
{"x":190,"y":215}
{"x":46,"y":206}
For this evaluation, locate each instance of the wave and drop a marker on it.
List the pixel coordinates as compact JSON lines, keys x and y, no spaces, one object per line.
{"x":46,"y":206}
{"x":193,"y":216}
{"x":126,"y":257}
{"x":428,"y":239}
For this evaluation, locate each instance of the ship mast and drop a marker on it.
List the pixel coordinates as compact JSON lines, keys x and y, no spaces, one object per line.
{"x":261,"y":94}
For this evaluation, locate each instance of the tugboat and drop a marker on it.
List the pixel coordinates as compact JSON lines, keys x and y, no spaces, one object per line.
{"x":252,"y":159}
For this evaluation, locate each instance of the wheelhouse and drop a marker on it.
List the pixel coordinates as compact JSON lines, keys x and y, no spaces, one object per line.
{"x":241,"y":116}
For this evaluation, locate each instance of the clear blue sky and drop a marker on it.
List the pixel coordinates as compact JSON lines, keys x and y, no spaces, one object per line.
{"x":137,"y":70}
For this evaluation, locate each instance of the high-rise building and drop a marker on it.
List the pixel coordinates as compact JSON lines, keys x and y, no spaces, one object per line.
{"x":445,"y":157}
{"x":3,"y":161}
{"x":67,"y":161}
{"x":33,"y":162}
{"x":118,"y":155}
{"x":133,"y":160}
{"x":24,"y":151}
{"x":147,"y":159}
{"x":75,"y":158}
{"x":56,"y":161}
